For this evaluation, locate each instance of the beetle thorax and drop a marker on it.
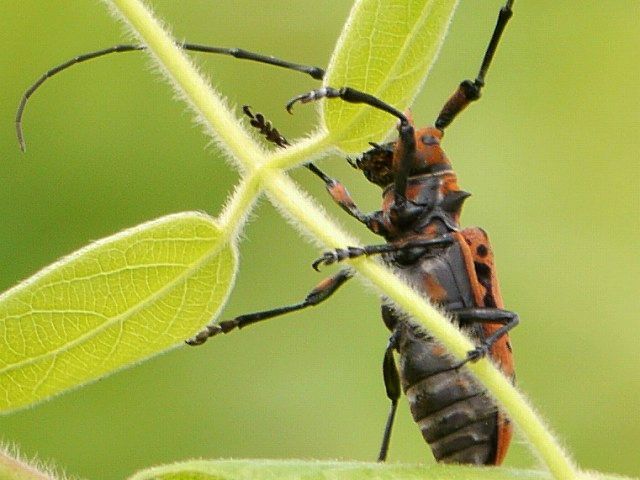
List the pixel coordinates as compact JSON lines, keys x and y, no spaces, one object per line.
{"x":435,"y":202}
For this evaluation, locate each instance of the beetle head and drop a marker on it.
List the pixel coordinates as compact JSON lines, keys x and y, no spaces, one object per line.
{"x":429,"y":156}
{"x":380,"y":163}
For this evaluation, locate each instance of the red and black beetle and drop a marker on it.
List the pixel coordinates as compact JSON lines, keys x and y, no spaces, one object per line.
{"x":426,"y":246}
{"x":454,"y":268}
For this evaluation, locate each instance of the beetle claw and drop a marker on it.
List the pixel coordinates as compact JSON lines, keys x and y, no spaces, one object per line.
{"x":302,"y":98}
{"x":474,"y":355}
{"x":327,"y":258}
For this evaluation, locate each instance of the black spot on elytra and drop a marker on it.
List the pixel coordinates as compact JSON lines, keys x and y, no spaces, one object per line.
{"x":482,"y":250}
{"x":488,"y":300}
{"x":483,"y":272}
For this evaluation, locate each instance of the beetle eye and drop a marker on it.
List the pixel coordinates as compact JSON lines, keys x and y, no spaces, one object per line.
{"x":430,"y":140}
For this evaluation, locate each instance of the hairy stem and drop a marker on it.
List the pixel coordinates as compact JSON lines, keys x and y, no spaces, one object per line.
{"x":12,"y":468}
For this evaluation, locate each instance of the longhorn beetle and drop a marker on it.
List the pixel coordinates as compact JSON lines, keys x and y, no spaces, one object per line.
{"x":451,"y":266}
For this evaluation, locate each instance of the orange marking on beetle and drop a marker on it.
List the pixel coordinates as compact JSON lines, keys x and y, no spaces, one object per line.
{"x":439,"y":350}
{"x":339,"y":193}
{"x":324,"y":284}
{"x":413,"y":190}
{"x":449,"y":183}
{"x":472,"y":239}
{"x":431,"y":230}
{"x":433,"y":288}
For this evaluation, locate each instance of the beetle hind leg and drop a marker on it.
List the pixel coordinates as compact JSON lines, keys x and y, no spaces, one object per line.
{"x":392,"y":387}
{"x":508,"y":319}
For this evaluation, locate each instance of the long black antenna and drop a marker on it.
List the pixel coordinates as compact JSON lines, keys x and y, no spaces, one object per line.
{"x":469,"y":91}
{"x":315,"y":72}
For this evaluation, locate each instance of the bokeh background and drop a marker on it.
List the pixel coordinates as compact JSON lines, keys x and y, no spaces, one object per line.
{"x":550,"y":154}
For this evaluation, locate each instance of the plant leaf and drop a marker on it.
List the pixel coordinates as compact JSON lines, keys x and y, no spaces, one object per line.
{"x":324,"y":470}
{"x":115,"y":302}
{"x":386,"y":49}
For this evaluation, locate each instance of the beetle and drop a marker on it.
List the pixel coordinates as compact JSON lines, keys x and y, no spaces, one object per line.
{"x":425,"y":245}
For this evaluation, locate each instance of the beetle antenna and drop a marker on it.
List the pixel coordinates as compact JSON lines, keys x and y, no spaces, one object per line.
{"x":315,"y":72}
{"x":469,"y":91}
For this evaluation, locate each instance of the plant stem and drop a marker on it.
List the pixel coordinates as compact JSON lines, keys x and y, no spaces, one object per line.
{"x":239,"y":206}
{"x":190,"y":85}
{"x":14,"y":469}
{"x":305,"y":213}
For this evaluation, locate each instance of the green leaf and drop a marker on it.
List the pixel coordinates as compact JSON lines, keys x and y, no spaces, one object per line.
{"x":115,"y":302}
{"x":386,"y":49}
{"x":323,"y":470}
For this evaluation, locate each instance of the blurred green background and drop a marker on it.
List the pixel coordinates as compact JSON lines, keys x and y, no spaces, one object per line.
{"x":550,"y":154}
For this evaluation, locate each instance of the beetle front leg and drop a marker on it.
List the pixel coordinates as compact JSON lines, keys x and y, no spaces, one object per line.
{"x":343,"y":198}
{"x":350,"y":95}
{"x":469,"y":90}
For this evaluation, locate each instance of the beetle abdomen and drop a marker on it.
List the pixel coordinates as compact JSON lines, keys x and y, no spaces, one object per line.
{"x":453,"y":411}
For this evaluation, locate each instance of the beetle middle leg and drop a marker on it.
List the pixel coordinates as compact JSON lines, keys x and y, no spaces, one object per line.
{"x":420,"y":246}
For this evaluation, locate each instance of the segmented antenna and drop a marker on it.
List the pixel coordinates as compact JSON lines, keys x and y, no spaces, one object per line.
{"x":314,"y":72}
{"x":265,"y":127}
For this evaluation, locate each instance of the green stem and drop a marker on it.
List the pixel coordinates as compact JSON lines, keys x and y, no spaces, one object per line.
{"x":235,"y":212}
{"x":237,"y":209}
{"x":190,"y":85}
{"x":263,"y":174}
{"x":305,"y":150}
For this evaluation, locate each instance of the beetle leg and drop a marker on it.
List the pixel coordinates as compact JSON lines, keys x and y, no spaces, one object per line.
{"x":341,"y":254}
{"x":507,"y":318}
{"x":343,"y":198}
{"x":407,"y":139}
{"x":350,"y":95}
{"x":320,"y":293}
{"x":338,"y":193}
{"x":469,"y":91}
{"x":406,"y":142}
{"x":392,"y":387}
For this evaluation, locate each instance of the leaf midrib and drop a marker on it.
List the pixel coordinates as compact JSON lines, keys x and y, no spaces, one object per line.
{"x":124,"y":315}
